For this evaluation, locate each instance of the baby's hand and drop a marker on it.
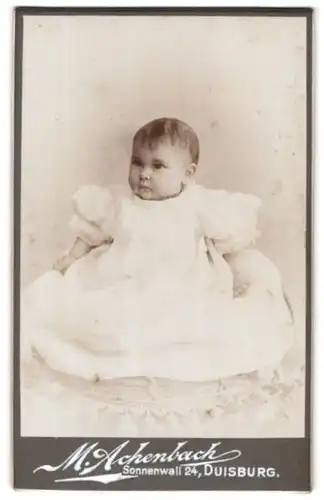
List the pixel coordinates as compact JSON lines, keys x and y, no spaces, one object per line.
{"x":64,"y":262}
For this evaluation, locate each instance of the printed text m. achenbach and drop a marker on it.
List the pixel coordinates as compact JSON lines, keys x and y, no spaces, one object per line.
{"x":89,"y":458}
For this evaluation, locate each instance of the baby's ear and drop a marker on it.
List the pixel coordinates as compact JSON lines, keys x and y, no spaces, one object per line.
{"x":191,"y":170}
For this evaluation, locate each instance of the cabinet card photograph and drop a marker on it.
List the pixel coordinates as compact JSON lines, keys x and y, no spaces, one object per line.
{"x":162,"y":248}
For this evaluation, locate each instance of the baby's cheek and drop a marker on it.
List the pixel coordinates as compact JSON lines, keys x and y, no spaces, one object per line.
{"x":133,"y":178}
{"x":132,"y":173}
{"x":164,"y":187}
{"x":177,"y":181}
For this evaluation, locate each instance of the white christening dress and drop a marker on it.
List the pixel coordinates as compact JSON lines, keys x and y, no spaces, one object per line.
{"x":149,"y":300}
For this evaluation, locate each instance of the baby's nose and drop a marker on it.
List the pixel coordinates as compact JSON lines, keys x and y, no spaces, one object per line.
{"x":145,"y":173}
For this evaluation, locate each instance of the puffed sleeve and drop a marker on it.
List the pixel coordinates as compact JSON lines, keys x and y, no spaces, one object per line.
{"x":94,"y":214}
{"x":229,"y":219}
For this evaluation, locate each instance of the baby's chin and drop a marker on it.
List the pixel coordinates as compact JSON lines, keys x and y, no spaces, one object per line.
{"x":146,"y":193}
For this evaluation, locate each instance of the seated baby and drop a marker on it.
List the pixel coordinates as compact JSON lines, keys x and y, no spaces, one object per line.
{"x":150,"y":286}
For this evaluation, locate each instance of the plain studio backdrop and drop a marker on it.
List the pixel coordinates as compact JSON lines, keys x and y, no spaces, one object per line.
{"x":90,"y":82}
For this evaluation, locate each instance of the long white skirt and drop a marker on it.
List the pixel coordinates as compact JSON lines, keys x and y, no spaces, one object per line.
{"x":170,"y":328}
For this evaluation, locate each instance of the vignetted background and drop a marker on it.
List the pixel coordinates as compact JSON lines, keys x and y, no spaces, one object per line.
{"x":90,"y":82}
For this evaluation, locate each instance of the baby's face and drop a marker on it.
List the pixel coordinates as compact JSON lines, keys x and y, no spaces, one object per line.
{"x":160,"y":172}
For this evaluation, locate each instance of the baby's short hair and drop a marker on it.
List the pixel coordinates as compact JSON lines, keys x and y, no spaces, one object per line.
{"x":176,"y":131}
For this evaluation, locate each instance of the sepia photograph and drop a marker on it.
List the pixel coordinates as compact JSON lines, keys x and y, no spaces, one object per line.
{"x":163,"y":194}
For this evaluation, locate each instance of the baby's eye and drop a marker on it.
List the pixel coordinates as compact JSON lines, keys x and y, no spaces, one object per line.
{"x":136,"y":163}
{"x":158,"y":165}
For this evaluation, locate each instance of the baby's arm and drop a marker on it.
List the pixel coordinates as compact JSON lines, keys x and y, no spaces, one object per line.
{"x":93,"y":213}
{"x":225,"y":278}
{"x":79,"y":249}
